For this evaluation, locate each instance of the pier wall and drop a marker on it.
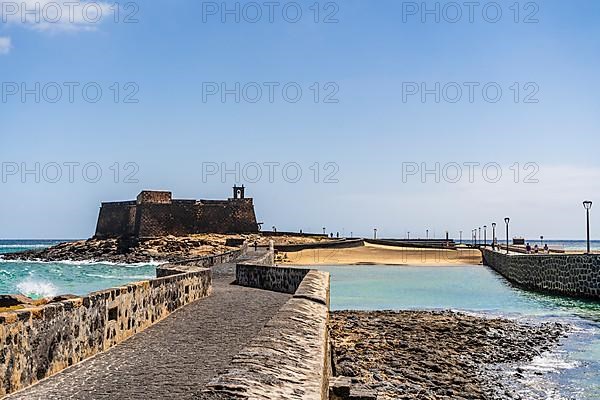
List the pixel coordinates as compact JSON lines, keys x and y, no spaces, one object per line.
{"x":575,"y":275}
{"x":325,"y":244}
{"x":193,"y":264}
{"x":290,"y":358}
{"x":38,"y":342}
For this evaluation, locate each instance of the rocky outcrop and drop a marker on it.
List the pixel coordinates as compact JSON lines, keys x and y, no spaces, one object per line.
{"x":429,"y":355}
{"x":128,"y":251}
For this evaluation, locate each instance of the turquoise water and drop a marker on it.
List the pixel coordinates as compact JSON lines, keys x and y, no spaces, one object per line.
{"x":44,"y":279}
{"x":570,"y":372}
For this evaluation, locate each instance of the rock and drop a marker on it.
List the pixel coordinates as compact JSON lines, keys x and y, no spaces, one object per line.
{"x":12,"y":300}
{"x":62,"y":297}
{"x":431,"y":355}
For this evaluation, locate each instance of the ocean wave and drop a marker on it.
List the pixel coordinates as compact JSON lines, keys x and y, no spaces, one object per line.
{"x":86,"y":263}
{"x":36,"y":288}
{"x":24,"y":246}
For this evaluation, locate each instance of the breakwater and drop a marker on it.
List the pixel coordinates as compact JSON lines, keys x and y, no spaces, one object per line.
{"x":39,"y":342}
{"x":575,"y":275}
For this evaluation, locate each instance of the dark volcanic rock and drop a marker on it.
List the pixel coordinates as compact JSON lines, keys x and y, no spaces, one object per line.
{"x":12,"y":300}
{"x":433,"y":355}
{"x":128,"y":250}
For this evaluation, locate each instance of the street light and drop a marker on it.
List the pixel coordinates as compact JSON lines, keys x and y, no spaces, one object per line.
{"x":460,"y":234}
{"x":485,"y":235}
{"x":542,"y":241}
{"x":324,"y":230}
{"x":588,"y":205}
{"x":427,"y":233}
{"x":479,"y":237}
{"x":408,"y":235}
{"x":493,"y":235}
{"x":374,"y":233}
{"x":506,"y":221}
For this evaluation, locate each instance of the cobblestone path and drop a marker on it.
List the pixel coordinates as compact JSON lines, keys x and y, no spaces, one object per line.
{"x":173,"y":359}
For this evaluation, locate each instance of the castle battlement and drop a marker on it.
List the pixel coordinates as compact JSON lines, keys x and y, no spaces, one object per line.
{"x":156,"y":213}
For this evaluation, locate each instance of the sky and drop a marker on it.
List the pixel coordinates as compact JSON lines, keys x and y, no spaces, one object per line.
{"x":350,"y":115}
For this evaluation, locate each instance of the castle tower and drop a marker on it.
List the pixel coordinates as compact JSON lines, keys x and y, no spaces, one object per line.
{"x":238,"y":192}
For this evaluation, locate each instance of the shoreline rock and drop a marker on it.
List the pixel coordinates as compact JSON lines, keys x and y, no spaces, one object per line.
{"x":133,"y":250}
{"x":433,"y":355}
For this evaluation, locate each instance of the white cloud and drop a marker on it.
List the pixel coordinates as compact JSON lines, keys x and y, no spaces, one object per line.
{"x":52,"y":15}
{"x":5,"y":45}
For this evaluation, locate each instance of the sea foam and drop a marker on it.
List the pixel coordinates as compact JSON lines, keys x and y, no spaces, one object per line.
{"x":36,"y":288}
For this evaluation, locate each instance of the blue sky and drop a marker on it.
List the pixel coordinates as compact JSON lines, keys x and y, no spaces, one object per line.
{"x":364,"y":127}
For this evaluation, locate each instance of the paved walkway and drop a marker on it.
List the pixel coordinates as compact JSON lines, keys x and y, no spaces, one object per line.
{"x":173,"y":359}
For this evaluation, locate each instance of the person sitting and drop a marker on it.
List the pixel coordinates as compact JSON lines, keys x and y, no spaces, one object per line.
{"x":528,"y":248}
{"x":536,"y":249}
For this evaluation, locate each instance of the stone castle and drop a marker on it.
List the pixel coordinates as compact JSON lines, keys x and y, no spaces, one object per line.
{"x":156,"y":213}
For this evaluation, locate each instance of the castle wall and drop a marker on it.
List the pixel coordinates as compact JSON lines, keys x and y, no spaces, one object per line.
{"x":116,"y":219}
{"x":175,"y":219}
{"x":154,"y":216}
{"x":152,"y":196}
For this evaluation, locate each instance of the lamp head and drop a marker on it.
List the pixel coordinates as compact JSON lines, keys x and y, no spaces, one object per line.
{"x":493,"y":224}
{"x":587,"y":204}
{"x":485,"y":227}
{"x":506,"y":220}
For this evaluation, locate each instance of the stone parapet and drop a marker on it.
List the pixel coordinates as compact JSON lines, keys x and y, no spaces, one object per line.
{"x":39,"y":342}
{"x":289,"y":359}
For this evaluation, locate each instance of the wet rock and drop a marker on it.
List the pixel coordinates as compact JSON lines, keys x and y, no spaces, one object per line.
{"x":13,"y":300}
{"x":433,"y":355}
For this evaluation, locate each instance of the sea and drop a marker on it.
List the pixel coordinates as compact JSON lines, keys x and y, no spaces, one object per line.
{"x":571,"y":371}
{"x":46,"y":279}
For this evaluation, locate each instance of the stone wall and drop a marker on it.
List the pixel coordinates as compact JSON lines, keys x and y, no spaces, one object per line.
{"x":274,"y":278}
{"x":325,"y":244}
{"x":290,"y":358}
{"x":194,"y":264}
{"x":38,"y":342}
{"x":576,"y":275}
{"x":116,"y":219}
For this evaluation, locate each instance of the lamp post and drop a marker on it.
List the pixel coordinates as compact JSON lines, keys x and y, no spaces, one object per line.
{"x":506,"y":221}
{"x":493,"y":235}
{"x":479,"y":237}
{"x":460,"y":235}
{"x":588,"y":205}
{"x":485,"y":235}
{"x":324,"y":230}
{"x":427,"y":233}
{"x":408,"y":235}
{"x":374,"y":233}
{"x":474,"y":236}
{"x":542,"y":241}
